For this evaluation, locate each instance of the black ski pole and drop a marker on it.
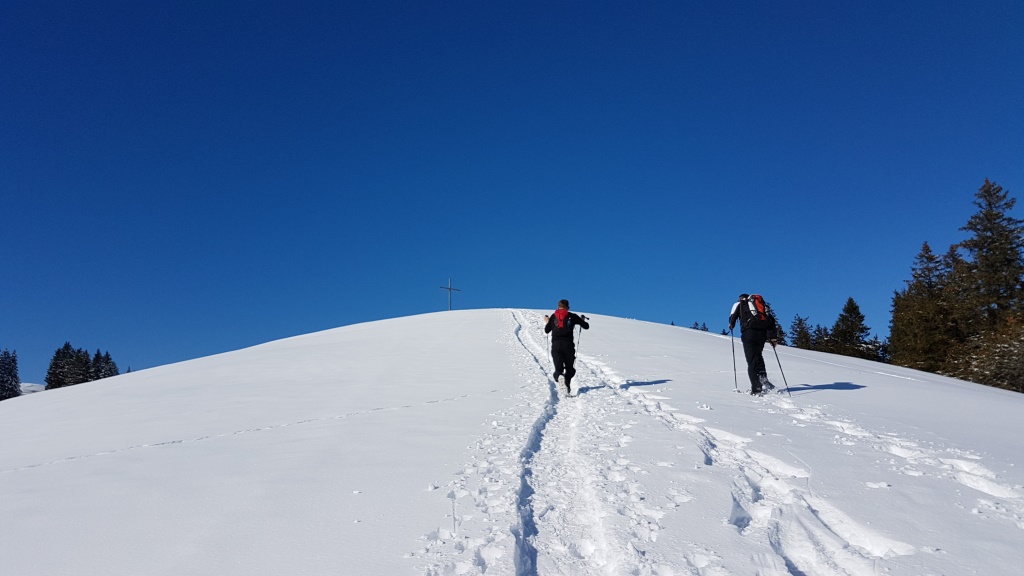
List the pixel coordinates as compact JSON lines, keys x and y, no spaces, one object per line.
{"x":783,"y":373}
{"x":735,"y":378}
{"x":579,"y":337}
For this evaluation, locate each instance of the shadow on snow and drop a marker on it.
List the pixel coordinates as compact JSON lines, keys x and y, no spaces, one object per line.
{"x":809,"y":388}
{"x":627,"y":385}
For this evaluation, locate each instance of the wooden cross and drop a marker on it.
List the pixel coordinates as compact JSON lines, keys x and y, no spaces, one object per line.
{"x":450,"y":290}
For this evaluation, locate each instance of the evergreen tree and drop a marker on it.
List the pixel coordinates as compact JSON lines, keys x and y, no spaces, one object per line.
{"x":881,"y":349}
{"x":850,"y":336}
{"x":68,"y":367}
{"x":985,"y":294}
{"x":821,"y":339}
{"x":111,"y":366}
{"x":801,"y":332}
{"x":10,"y":382}
{"x":996,"y":249}
{"x":81,"y":367}
{"x":957,"y":298}
{"x":95,"y":366}
{"x":921,"y":331}
{"x":703,"y":327}
{"x":103,"y":366}
{"x":57,"y":375}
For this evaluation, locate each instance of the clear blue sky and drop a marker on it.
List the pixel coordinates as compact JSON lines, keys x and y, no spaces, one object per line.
{"x":180,"y":179}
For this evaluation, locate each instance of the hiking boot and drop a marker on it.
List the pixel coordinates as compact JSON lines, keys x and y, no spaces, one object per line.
{"x":765,"y":384}
{"x":568,"y":388}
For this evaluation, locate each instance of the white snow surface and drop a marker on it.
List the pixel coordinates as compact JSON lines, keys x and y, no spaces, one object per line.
{"x":438,"y":444}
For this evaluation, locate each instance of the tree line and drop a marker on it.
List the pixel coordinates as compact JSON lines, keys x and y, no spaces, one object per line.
{"x":71,"y":366}
{"x":848,"y":336}
{"x":961,"y":314}
{"x":68,"y":367}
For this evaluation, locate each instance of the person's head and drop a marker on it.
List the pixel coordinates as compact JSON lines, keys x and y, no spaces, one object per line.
{"x":563,"y":304}
{"x":744,"y":297}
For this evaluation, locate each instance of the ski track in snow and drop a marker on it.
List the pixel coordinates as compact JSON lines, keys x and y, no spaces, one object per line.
{"x":548,"y":491}
{"x":772,"y":502}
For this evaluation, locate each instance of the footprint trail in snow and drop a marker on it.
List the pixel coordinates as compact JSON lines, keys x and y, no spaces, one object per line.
{"x":548,"y":493}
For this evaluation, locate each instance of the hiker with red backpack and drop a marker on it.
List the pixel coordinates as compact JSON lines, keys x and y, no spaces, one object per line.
{"x":757,"y":326}
{"x":563,"y":352}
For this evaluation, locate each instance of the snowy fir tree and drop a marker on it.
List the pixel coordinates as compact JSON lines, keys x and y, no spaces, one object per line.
{"x":57,"y":373}
{"x":102,"y":366}
{"x":10,"y":382}
{"x":69,"y":366}
{"x":109,"y":367}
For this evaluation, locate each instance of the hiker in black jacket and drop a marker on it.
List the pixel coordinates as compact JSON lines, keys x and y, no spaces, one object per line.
{"x":563,"y":351}
{"x":755,"y":331}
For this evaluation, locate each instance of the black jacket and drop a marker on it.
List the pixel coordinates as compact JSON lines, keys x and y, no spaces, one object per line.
{"x":771,"y":332}
{"x":565,"y":332}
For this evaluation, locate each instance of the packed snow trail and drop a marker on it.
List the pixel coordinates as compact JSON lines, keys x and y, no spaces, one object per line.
{"x":568,"y":503}
{"x":569,"y":477}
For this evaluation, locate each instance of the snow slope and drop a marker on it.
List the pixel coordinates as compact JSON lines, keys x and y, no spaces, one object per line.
{"x":438,"y":444}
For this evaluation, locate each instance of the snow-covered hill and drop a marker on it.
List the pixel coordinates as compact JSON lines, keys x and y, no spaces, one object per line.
{"x":437,"y":444}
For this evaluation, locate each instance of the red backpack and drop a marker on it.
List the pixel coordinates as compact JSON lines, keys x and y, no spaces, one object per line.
{"x":755,"y":314}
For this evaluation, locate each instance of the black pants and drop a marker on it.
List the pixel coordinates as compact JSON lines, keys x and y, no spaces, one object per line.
{"x":563,"y":353}
{"x":753,"y":348}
